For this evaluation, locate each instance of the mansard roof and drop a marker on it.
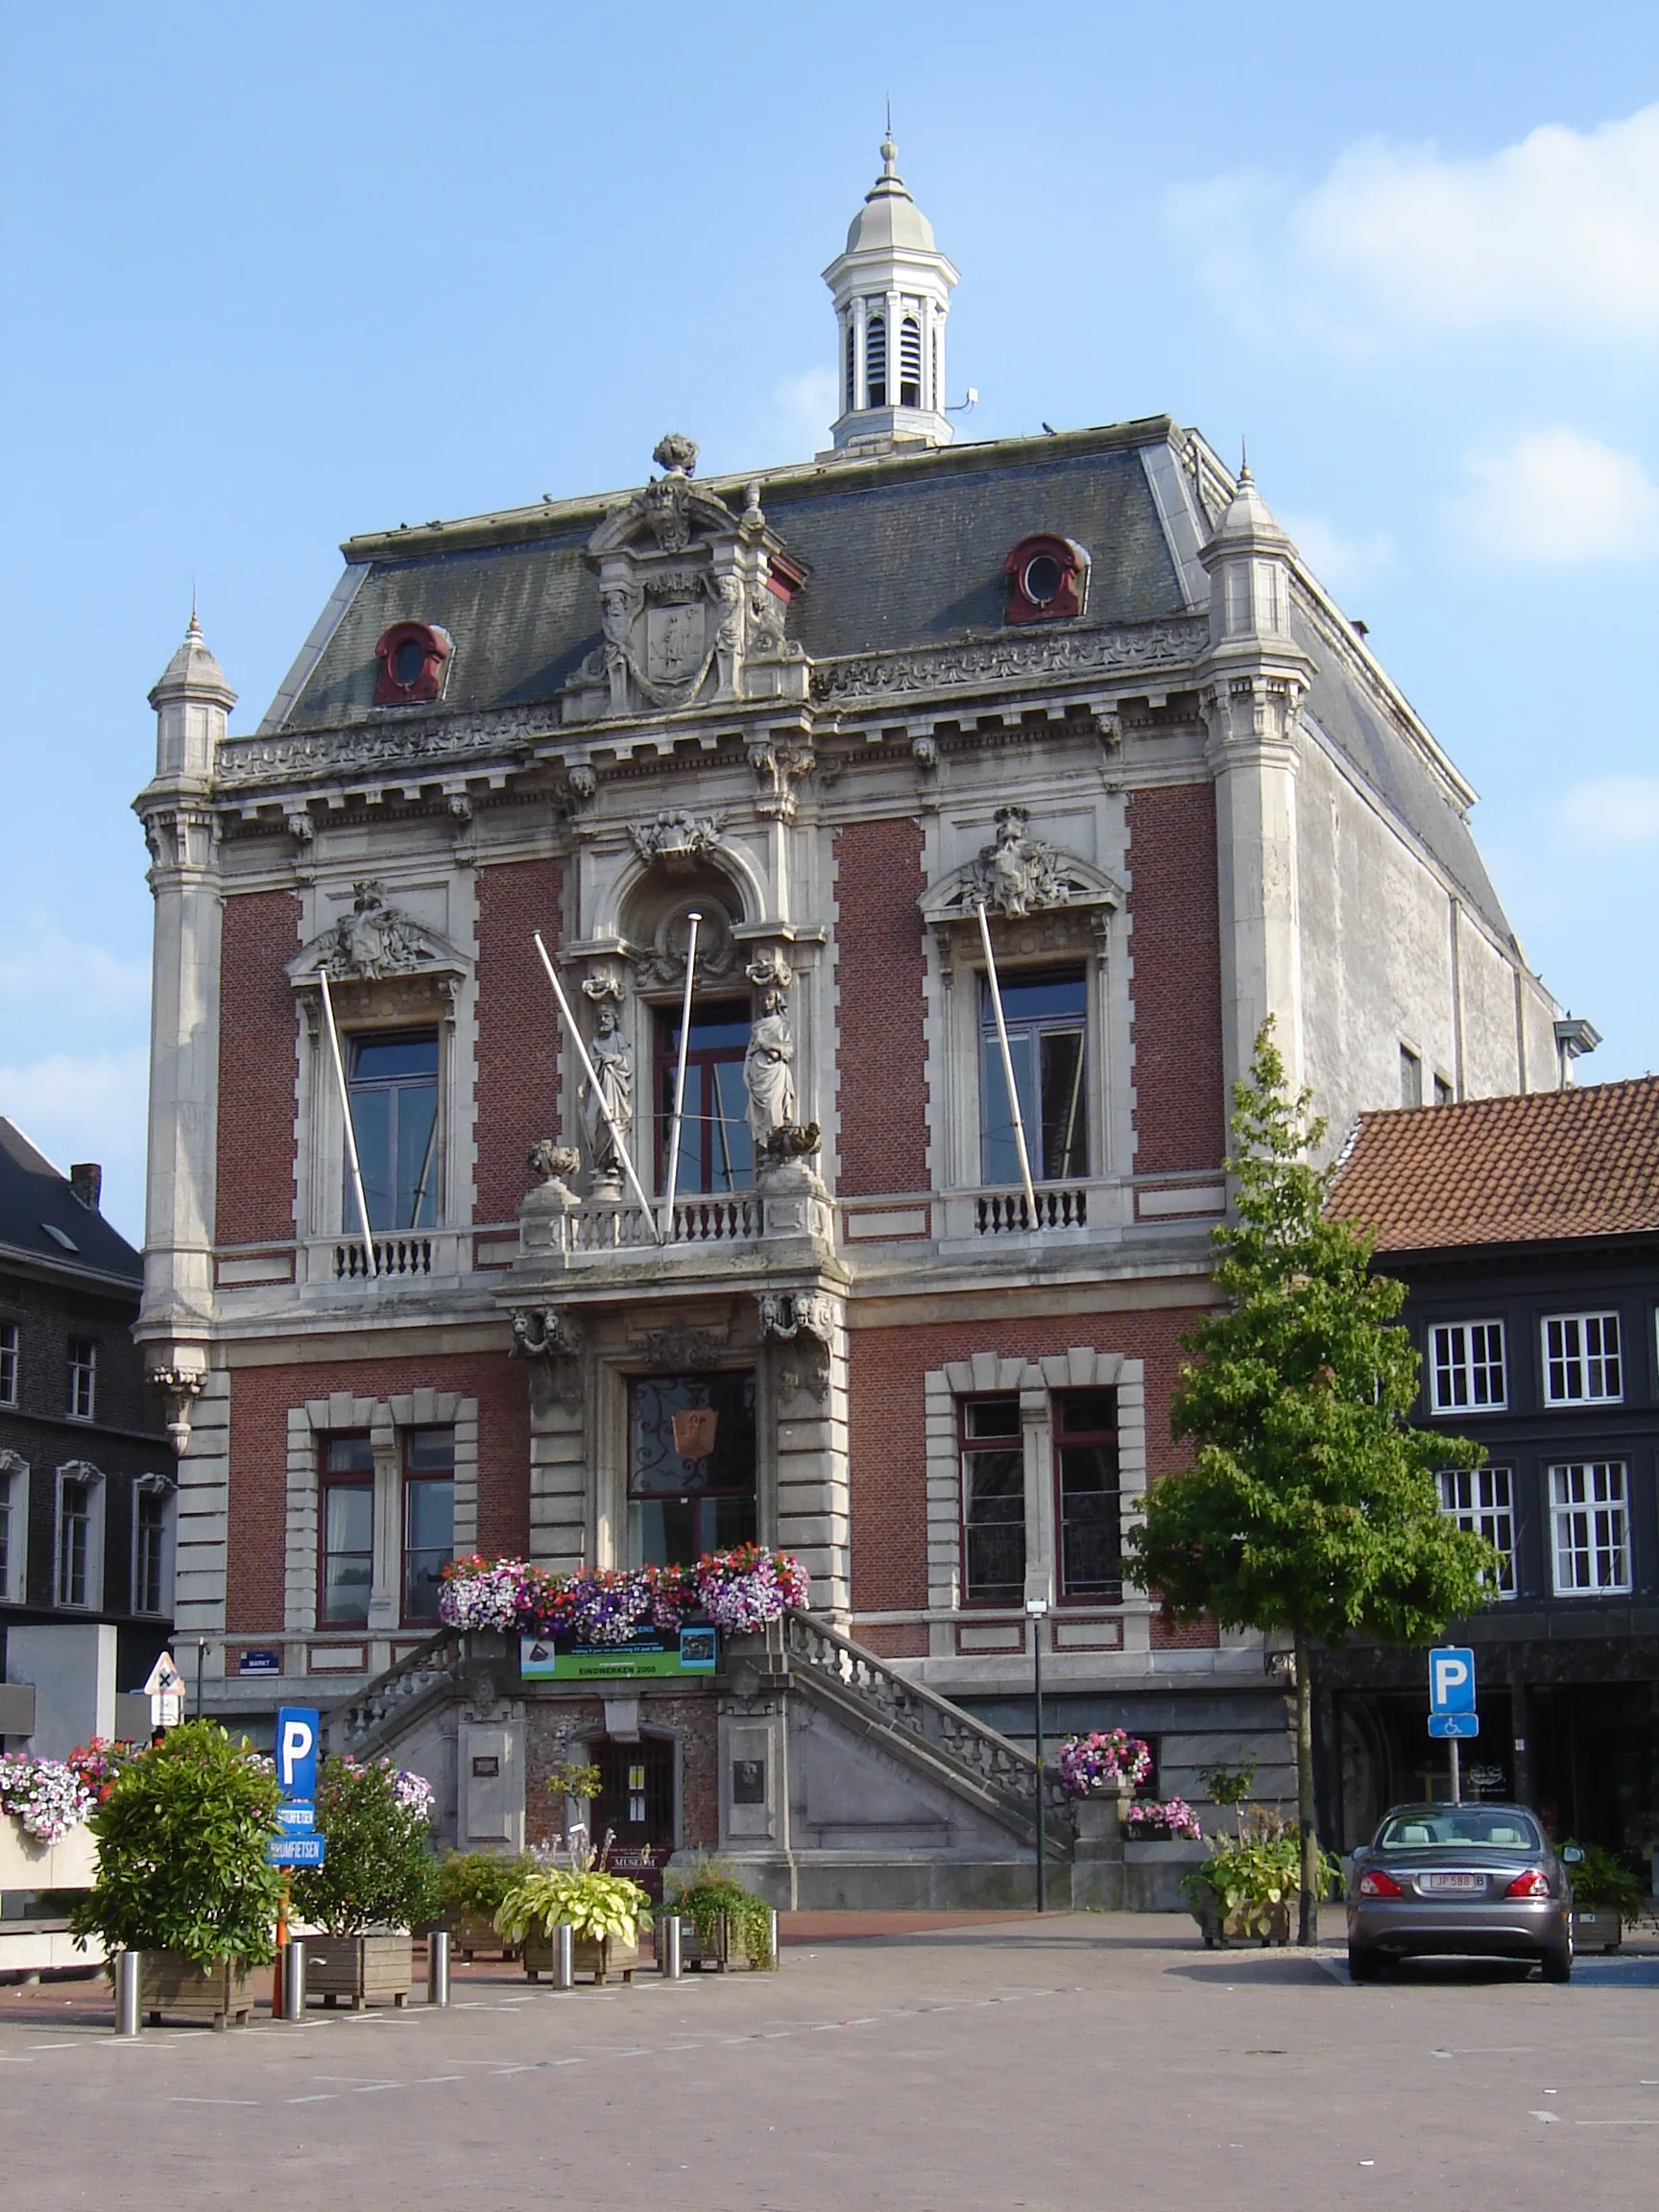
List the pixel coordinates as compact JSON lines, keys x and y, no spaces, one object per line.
{"x":36,"y":1199}
{"x":1534,"y":1168}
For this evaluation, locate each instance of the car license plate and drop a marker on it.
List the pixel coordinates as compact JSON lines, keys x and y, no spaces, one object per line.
{"x":1451,"y":1885}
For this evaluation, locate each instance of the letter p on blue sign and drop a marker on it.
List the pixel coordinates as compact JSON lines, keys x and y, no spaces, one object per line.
{"x":297,"y":1732}
{"x":1452,"y":1679}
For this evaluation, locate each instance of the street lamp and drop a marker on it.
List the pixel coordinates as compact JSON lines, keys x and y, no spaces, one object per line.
{"x":1036,"y":1606}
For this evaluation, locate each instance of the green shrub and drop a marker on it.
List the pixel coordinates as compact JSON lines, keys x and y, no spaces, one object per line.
{"x":592,"y":1904}
{"x":181,"y":1841}
{"x":378,"y":1870}
{"x":1601,"y":1884}
{"x":477,"y":1880}
{"x":1252,"y":1875}
{"x":703,"y":1890}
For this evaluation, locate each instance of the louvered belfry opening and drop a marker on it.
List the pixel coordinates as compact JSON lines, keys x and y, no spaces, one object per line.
{"x":876,"y":361}
{"x":910,"y":362}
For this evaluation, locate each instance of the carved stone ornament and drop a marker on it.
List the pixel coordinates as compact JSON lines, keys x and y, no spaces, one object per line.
{"x":676,"y":836}
{"x":180,"y":1388}
{"x":542,"y":1333}
{"x":1018,"y":874}
{"x":789,"y":1313}
{"x":373,"y":941}
{"x":792,"y":1140}
{"x":678,"y":1348}
{"x":1142,"y":645}
{"x":663,"y":966}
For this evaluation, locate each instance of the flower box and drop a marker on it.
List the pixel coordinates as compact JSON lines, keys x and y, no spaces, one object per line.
{"x":724,"y":1953}
{"x":474,"y":1932}
{"x":1237,"y":1927}
{"x":169,"y":1983}
{"x":610,"y":1954}
{"x":1596,"y":1928}
{"x":26,"y":1863}
{"x":361,"y":1968}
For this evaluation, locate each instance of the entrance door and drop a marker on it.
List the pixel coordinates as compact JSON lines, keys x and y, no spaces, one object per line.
{"x":636,"y":1800}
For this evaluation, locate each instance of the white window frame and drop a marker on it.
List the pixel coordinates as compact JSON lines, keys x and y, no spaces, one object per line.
{"x":14,"y":1505}
{"x":164,"y":1487}
{"x":1482,"y":1500}
{"x":87,"y":1369}
{"x":80,"y":1471}
{"x":1575,"y":1339}
{"x":11,"y":1362}
{"x":1601,"y":1515}
{"x":1470,"y":1366}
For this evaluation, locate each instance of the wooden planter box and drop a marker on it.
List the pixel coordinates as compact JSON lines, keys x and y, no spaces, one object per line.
{"x":360,"y":1967}
{"x":474,"y":1932}
{"x":1232,"y":1928}
{"x":725,"y":1952}
{"x":28,"y":1863}
{"x":1596,"y":1928}
{"x":615,"y":1954}
{"x":168,"y":1983}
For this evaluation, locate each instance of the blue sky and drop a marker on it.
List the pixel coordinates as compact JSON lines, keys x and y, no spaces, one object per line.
{"x":275,"y":276}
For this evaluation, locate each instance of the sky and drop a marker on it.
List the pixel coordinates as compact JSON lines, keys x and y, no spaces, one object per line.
{"x":274,"y":276}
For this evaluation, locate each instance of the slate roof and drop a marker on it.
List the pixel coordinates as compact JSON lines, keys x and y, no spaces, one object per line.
{"x":34,"y":1194}
{"x":1583,"y":1161}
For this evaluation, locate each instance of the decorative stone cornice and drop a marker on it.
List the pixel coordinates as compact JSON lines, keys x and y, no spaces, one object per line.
{"x":1061,"y":653}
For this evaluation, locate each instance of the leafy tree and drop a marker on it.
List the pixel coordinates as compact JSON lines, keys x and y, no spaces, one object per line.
{"x":181,"y":1842}
{"x":1311,"y":1506}
{"x":377,"y":1869}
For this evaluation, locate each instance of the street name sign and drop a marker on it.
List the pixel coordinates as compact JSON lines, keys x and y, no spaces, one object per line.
{"x":295,"y":1850}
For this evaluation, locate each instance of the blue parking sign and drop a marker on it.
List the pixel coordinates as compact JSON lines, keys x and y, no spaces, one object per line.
{"x":1452,"y":1679}
{"x":297,"y":1728}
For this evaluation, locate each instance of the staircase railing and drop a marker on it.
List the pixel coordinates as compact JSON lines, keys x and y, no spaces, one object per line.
{"x":364,"y":1719}
{"x":989,"y":1759}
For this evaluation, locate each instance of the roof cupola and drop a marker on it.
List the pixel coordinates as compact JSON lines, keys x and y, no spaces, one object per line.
{"x":892,"y":290}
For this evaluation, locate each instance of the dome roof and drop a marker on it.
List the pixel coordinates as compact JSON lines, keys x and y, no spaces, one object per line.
{"x":192,"y":669}
{"x":889,"y":217}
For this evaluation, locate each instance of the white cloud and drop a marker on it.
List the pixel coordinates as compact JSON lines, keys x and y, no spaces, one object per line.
{"x":1557,"y":495}
{"x":1614,"y":810}
{"x":90,"y":1106}
{"x":41,"y":962}
{"x":1559,"y":234}
{"x":1335,"y":559}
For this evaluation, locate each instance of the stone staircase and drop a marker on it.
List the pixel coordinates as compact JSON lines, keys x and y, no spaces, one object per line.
{"x":370,"y":1721}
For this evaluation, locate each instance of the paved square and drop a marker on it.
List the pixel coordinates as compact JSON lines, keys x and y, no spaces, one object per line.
{"x":1076,"y":2061}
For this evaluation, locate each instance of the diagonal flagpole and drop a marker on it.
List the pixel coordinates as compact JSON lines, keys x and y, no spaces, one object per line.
{"x":599,"y":1098}
{"x":373,"y":1257}
{"x":680,"y":1078}
{"x":1007,"y":1062}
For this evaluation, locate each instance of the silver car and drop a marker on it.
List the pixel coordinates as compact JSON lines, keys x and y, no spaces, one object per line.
{"x":1450,"y":1881}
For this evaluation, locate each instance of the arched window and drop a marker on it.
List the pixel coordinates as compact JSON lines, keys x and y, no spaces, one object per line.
{"x":909,"y":362}
{"x":876,"y":362}
{"x":851,"y":368}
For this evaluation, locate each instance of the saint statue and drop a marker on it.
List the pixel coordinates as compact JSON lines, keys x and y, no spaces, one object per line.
{"x":768,"y":1068}
{"x":612,"y":1058}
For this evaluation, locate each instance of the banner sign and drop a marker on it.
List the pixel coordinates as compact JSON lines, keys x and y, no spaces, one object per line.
{"x":648,"y":1652}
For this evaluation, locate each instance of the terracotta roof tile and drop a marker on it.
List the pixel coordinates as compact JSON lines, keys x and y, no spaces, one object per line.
{"x":1583,"y":1161}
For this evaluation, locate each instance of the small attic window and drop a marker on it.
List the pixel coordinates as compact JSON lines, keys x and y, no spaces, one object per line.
{"x":61,"y":1235}
{"x":413,"y":657}
{"x":1047,"y":580}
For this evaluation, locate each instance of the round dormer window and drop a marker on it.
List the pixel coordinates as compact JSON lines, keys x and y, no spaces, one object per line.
{"x":413,"y":656}
{"x":1047,"y":580}
{"x":409,"y":662}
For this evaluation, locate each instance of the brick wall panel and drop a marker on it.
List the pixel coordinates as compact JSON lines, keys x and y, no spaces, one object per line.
{"x":258,"y":1029}
{"x":518,"y":1074}
{"x":1175,"y":946}
{"x":881,"y":969}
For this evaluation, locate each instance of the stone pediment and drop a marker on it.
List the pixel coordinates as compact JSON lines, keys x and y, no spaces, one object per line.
{"x":374,"y":942}
{"x":693,"y":602}
{"x":1015,"y":875}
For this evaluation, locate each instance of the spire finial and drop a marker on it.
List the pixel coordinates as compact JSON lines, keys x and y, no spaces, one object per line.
{"x":889,"y":152}
{"x":1244,"y":475}
{"x":195,"y":629}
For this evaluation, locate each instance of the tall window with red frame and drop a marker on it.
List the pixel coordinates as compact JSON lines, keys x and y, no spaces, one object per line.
{"x":429,"y":1520}
{"x":348,"y":1532}
{"x":716,"y":1152}
{"x":1087,"y":1500}
{"x":993,"y":1502}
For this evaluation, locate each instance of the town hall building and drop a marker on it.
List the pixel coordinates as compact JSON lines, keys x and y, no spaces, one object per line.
{"x":1045,"y":755}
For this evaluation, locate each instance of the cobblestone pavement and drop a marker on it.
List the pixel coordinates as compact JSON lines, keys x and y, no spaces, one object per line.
{"x":1075,"y":2062}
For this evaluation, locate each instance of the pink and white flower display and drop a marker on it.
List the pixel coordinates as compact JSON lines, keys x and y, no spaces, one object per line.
{"x":741,"y":1591}
{"x":1175,"y":1814}
{"x":46,"y":1797}
{"x":1106,"y":1764}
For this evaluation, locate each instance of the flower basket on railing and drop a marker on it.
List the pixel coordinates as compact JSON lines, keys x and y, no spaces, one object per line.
{"x":1146,"y":1821}
{"x":1104,"y":1765}
{"x":741,"y":1591}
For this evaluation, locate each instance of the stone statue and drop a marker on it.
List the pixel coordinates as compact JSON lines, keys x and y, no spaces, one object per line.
{"x":612,"y":1058}
{"x":768,"y":1068}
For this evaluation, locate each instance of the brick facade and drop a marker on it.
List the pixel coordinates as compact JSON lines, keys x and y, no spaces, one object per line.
{"x":260,"y":1401}
{"x":516,"y":1082}
{"x":1175,"y":946}
{"x":259,"y":1025}
{"x":692,"y":1715}
{"x":880,"y":968}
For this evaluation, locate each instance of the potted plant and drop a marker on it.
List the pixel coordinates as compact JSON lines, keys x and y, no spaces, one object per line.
{"x":728,"y":1921}
{"x":1100,"y":1772}
{"x":1147,"y":1822}
{"x":44,"y":1840}
{"x":378,"y":1881}
{"x":181,"y":1873}
{"x":1242,"y":1891}
{"x":471,"y":1888}
{"x":603,"y":1911}
{"x":1606,"y":1897}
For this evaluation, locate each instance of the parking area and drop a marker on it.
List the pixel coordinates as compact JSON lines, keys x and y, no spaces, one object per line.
{"x":1016,"y":2063}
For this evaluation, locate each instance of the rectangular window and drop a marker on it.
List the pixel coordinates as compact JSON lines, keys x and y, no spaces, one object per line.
{"x":1466,"y":1366}
{"x":1588,"y":1506}
{"x":1411,"y":1078}
{"x":348,"y":1528}
{"x":1085,"y":1477}
{"x":993,"y":1502}
{"x":149,"y":1551}
{"x":83,"y":1378}
{"x":393,"y":1081}
{"x":690,"y":1466}
{"x":1045,"y":1015}
{"x":1444,"y":1094}
{"x":74,"y":1539}
{"x":429,"y":1520}
{"x":716,"y":1151}
{"x":8,"y":1363}
{"x":1582,"y":1362}
{"x":1482,"y":1500}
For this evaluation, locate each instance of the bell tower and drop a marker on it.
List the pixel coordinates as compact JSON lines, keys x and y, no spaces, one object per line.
{"x":892,"y":290}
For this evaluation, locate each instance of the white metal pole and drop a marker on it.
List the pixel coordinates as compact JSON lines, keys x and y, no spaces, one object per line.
{"x":351,"y":1130}
{"x":680,"y":1078}
{"x":1007,"y":1062}
{"x":599,"y":1098}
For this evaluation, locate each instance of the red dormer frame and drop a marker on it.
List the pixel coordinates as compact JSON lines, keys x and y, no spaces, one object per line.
{"x":415,"y":686}
{"x":1038,"y":563}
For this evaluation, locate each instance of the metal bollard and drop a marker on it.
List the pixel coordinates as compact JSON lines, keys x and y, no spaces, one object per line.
{"x":564,"y":1957}
{"x":128,"y":1973}
{"x":668,"y":1953}
{"x":773,"y":1959}
{"x":438,"y":1966}
{"x":294,"y":1978}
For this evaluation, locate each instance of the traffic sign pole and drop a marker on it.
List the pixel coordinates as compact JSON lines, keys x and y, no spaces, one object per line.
{"x":1457,"y":1771}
